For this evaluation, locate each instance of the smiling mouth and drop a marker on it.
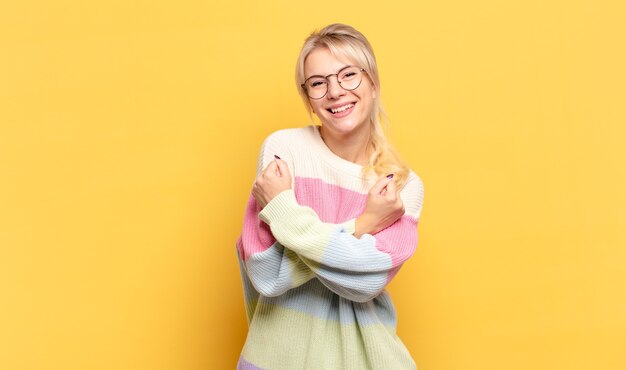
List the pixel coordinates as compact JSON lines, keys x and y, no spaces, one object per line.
{"x":341,"y":109}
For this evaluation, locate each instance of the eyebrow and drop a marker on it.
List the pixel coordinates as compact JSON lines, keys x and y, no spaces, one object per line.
{"x":340,"y":69}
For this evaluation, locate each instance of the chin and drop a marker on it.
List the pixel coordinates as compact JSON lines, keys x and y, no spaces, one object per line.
{"x":345,"y":127}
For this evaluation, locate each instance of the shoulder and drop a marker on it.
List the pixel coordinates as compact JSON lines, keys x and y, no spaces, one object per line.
{"x":288,"y":142}
{"x":290,"y":135}
{"x":412,"y":195}
{"x":285,"y":143}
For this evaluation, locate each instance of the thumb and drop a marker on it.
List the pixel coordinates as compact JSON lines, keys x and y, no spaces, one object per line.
{"x":381,"y":184}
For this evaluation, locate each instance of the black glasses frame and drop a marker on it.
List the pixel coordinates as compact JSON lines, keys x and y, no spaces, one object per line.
{"x":303,"y":85}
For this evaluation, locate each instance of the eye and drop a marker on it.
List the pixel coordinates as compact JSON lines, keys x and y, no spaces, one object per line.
{"x":349,"y":74}
{"x":317,"y":83}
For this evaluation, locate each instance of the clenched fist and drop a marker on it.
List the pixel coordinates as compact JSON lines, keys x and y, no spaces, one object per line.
{"x":384,"y":207}
{"x":275,"y":179}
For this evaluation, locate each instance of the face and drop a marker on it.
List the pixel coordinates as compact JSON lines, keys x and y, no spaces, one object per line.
{"x":340,"y":111}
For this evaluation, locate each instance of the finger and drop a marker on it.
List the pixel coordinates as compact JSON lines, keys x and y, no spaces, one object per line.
{"x":276,"y":158}
{"x":282,"y":167}
{"x":392,"y":188}
{"x":381,"y":184}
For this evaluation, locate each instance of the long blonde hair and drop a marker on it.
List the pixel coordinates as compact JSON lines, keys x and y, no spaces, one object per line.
{"x":344,"y":41}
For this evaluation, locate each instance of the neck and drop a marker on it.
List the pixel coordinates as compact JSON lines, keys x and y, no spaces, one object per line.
{"x":352,"y":146}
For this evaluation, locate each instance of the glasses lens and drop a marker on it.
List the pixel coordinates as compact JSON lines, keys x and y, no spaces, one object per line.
{"x":350,"y":78}
{"x":316,"y":87}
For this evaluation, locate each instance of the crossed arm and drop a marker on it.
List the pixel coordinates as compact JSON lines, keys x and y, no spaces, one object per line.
{"x":287,"y":244}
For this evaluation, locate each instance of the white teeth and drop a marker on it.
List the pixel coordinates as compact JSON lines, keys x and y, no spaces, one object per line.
{"x":341,"y":109}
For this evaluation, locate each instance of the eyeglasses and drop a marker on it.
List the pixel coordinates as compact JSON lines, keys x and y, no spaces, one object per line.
{"x":349,"y":78}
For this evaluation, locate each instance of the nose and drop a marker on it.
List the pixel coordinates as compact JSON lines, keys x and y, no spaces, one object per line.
{"x":334,"y":89}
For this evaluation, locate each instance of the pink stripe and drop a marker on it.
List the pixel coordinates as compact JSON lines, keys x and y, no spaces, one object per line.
{"x":333,"y":204}
{"x":399,"y":241}
{"x":256,"y":235}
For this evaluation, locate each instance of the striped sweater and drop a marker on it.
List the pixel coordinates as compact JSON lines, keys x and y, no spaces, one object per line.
{"x":314,"y":293}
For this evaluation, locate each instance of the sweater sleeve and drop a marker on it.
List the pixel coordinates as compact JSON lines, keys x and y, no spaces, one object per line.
{"x":271,"y":269}
{"x":355,"y":268}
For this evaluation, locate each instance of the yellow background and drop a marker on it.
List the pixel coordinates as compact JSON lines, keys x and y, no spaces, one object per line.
{"x":128,"y":143}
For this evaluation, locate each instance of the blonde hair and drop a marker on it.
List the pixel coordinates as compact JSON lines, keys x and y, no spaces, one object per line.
{"x":344,"y":41}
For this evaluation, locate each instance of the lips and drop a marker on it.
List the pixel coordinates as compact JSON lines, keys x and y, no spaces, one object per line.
{"x":341,"y":110}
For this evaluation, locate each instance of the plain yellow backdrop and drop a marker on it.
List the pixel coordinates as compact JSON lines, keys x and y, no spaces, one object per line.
{"x":129,"y":132}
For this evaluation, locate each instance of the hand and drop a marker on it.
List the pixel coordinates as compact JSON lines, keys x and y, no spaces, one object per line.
{"x":384,"y":207}
{"x":275,"y":179}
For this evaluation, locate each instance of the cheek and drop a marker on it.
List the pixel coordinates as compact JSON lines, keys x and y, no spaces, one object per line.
{"x":317,"y":109}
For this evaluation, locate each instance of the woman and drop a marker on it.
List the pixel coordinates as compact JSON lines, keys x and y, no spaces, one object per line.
{"x":332,"y":216}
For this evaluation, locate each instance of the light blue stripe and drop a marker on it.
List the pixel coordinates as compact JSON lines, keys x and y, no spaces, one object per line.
{"x":272,"y":272}
{"x":354,"y":268}
{"x":315,"y":299}
{"x":250,"y":294}
{"x":348,"y":253}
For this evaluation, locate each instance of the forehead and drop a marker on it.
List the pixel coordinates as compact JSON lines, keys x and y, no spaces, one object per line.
{"x":322,"y":62}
